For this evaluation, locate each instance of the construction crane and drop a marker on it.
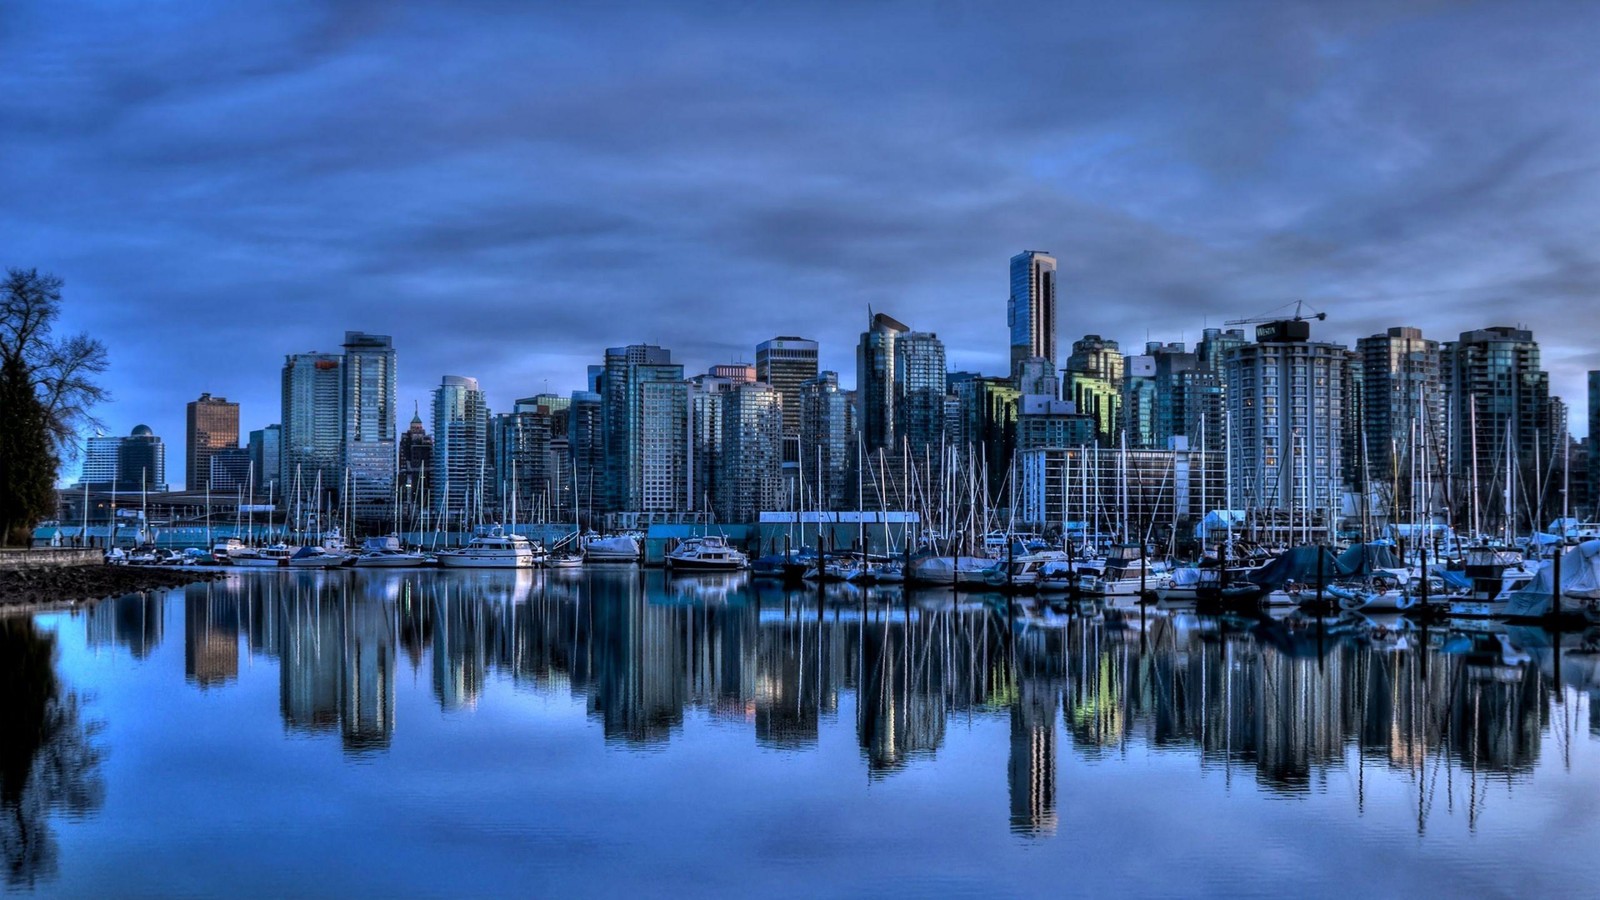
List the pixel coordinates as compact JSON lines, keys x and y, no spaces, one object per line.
{"x":1280,"y":327}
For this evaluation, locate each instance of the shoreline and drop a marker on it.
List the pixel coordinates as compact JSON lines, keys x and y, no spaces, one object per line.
{"x":34,"y":589}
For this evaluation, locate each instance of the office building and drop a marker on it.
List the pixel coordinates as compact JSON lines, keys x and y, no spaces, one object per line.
{"x":313,"y":432}
{"x":1501,"y":418}
{"x":368,"y":410}
{"x":460,"y":451}
{"x":230,"y":471}
{"x":141,"y":461}
{"x":750,"y":469}
{"x":786,"y":363}
{"x":827,"y":443}
{"x":875,"y":382}
{"x":1286,"y":400}
{"x":1044,"y":421}
{"x":646,"y":405}
{"x":266,"y":459}
{"x":1093,"y":382}
{"x":213,"y":424}
{"x":1031,"y":311}
{"x":920,"y":389}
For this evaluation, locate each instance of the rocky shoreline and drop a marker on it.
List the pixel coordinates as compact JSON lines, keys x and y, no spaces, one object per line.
{"x":37,"y":586}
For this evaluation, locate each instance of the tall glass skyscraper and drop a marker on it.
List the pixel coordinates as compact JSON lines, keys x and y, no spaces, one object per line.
{"x":368,"y":401}
{"x":313,"y":432}
{"x":458,"y":476}
{"x":875,"y":382}
{"x":1031,"y":312}
{"x":646,"y":404}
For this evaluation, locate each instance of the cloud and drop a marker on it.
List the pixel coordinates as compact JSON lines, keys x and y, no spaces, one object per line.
{"x":509,"y":188}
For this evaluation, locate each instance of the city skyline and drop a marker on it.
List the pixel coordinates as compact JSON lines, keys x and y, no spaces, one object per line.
{"x":639,"y":195}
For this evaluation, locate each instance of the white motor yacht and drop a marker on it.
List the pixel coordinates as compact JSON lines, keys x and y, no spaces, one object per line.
{"x":493,"y":551}
{"x":386,"y":553}
{"x":705,"y":554}
{"x":611,"y":548}
{"x":271,"y":557}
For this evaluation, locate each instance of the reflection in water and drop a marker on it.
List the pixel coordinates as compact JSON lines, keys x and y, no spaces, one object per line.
{"x":47,"y":762}
{"x":1285,"y":703}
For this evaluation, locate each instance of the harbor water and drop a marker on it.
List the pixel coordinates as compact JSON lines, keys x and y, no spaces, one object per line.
{"x":613,"y":731}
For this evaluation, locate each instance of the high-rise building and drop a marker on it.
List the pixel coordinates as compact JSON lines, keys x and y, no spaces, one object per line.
{"x":416,"y":455}
{"x":266,"y":458}
{"x":99,"y":461}
{"x":646,"y":401}
{"x":586,"y":442}
{"x":460,"y":449}
{"x":919,"y":385}
{"x":368,"y":412}
{"x":827,"y":442}
{"x":230,"y":470}
{"x":213,"y":424}
{"x":1043,"y":421}
{"x":524,"y":470}
{"x":786,"y":363}
{"x":1285,"y":396}
{"x":875,"y":382}
{"x":990,"y":406}
{"x":707,"y":396}
{"x":125,"y":463}
{"x":1500,"y":415}
{"x":313,"y":391}
{"x":1036,"y":376}
{"x":750,"y":470}
{"x":1031,"y":312}
{"x":1402,"y":392}
{"x":1092,"y":381}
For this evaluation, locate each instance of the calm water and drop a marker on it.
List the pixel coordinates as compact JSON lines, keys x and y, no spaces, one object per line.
{"x":603,"y":732}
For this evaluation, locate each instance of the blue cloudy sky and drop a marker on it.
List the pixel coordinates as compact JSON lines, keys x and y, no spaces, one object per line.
{"x":509,"y":187}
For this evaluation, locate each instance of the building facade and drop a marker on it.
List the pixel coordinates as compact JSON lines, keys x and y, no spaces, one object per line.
{"x":750,"y":469}
{"x":313,"y":392}
{"x":458,"y":477}
{"x":213,"y":424}
{"x":827,"y":442}
{"x":1092,"y":383}
{"x":1031,"y":309}
{"x":368,"y":449}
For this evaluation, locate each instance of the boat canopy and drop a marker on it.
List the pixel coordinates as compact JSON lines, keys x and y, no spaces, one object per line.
{"x":1298,"y":564}
{"x":1580,"y":577}
{"x":1364,"y":559}
{"x":1219,"y":520}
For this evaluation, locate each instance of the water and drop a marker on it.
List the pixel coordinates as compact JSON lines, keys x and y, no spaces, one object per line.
{"x":607,"y":732}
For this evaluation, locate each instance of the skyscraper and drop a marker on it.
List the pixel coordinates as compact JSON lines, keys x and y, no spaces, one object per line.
{"x":1402,"y":400}
{"x":416,"y":455}
{"x":313,"y":390}
{"x":919,"y":384}
{"x":266,"y":458}
{"x":646,"y":401}
{"x":586,"y":441}
{"x":1092,"y":381}
{"x":786,"y":363}
{"x":99,"y":461}
{"x":1285,"y":397}
{"x":827,"y":441}
{"x":141,"y":461}
{"x":213,"y":424}
{"x":460,"y":448}
{"x":875,"y":382}
{"x":707,"y":394}
{"x":522,"y":461}
{"x":750,"y":470}
{"x":1498,"y":405}
{"x":368,"y":412}
{"x":1031,"y":312}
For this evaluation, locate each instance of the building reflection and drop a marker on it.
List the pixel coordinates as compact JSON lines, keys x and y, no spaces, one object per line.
{"x":1285,"y":703}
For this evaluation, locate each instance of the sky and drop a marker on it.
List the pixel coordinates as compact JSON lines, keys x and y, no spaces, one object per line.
{"x":510,"y":187}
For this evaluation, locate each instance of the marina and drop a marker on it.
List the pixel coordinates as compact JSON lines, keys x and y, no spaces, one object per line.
{"x":608,"y":728}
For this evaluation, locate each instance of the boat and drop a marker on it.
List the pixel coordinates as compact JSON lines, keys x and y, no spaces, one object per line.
{"x":611,"y":548}
{"x":316,"y":558}
{"x":564,"y":561}
{"x":225,"y":548}
{"x":494,"y":550}
{"x":705,"y":554}
{"x":386,"y":553}
{"x":274,"y":556}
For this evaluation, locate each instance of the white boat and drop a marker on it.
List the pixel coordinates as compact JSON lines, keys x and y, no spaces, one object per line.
{"x":493,"y":551}
{"x":705,"y":554}
{"x":271,"y":557}
{"x":316,"y":558}
{"x":226,"y":548}
{"x":942,"y":570}
{"x":563,"y":561}
{"x":386,"y":553}
{"x":611,"y":548}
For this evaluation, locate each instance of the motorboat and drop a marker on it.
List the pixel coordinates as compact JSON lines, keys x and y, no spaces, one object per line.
{"x":386,"y":553}
{"x":705,"y":554}
{"x":611,"y":548}
{"x":223,"y":549}
{"x":572,"y":560}
{"x":495,"y":550}
{"x":316,"y":558}
{"x":271,"y":557}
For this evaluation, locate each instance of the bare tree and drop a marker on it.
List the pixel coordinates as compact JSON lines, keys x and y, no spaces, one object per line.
{"x":62,"y":373}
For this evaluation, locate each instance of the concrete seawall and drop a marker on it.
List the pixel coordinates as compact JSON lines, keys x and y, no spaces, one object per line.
{"x":50,"y":557}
